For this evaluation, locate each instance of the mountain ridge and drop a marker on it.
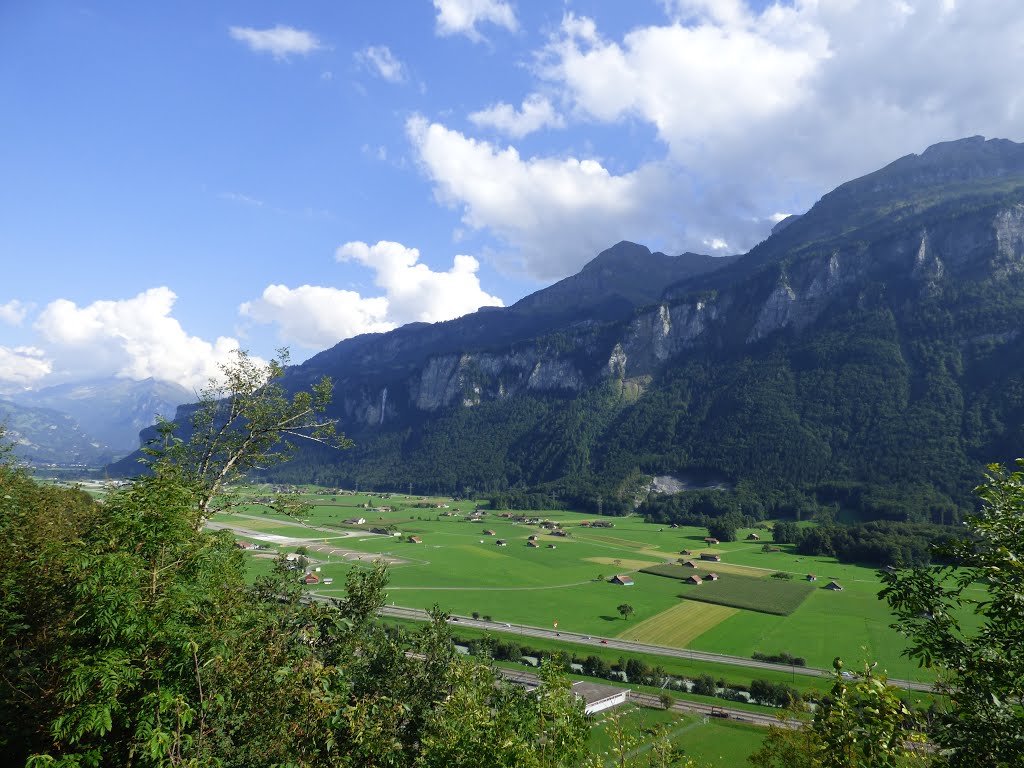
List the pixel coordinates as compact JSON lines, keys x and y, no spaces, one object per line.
{"x":842,"y":349}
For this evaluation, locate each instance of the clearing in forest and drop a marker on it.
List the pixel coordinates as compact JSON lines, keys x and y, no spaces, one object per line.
{"x":679,"y":625}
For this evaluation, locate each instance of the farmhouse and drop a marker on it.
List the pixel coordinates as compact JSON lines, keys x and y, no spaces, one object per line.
{"x":311,"y":578}
{"x":626,"y":581}
{"x":712,"y":558}
{"x":355,"y":521}
{"x":415,"y":540}
{"x":835,"y":586}
{"x":711,"y":577}
{"x":599,"y":697}
{"x":695,"y":579}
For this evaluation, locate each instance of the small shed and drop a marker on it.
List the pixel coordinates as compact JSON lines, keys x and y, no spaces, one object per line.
{"x":599,"y":697}
{"x":490,"y":533}
{"x":686,"y":552}
{"x":532,"y":544}
{"x":712,"y":558}
{"x":753,"y":537}
{"x":415,"y":540}
{"x":695,"y":579}
{"x":710,"y":540}
{"x":835,"y":586}
{"x":355,"y":521}
{"x":811,"y":577}
{"x":711,"y":577}
{"x":551,"y":546}
{"x":689,"y":564}
{"x":626,"y":581}
{"x":501,"y":543}
{"x":532,"y":537}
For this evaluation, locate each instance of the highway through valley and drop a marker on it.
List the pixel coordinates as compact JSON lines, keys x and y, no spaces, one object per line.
{"x":523,"y":630}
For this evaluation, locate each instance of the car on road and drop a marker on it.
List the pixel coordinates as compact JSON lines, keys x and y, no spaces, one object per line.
{"x":586,"y":637}
{"x":509,"y":626}
{"x":604,"y":642}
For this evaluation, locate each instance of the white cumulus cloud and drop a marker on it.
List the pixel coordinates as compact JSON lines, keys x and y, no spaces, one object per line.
{"x":23,"y":366}
{"x":759,"y":108}
{"x":134,"y":338}
{"x":555,"y":213}
{"x":279,"y":41}
{"x":14,"y":312}
{"x":774,"y":107}
{"x":381,"y":61}
{"x":319,"y":317}
{"x":536,"y":113}
{"x":460,"y":17}
{"x":315,"y":316}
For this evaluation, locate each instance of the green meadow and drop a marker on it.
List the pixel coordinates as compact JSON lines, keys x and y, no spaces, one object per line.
{"x":461,"y":568}
{"x":709,"y":741}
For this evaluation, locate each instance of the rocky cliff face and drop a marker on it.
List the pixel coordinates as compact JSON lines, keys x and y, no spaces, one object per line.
{"x":788,"y":296}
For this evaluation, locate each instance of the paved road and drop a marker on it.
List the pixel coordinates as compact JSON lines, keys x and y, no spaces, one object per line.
{"x":629,"y":645}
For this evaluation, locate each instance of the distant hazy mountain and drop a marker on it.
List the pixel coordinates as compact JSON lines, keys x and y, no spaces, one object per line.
{"x":868,"y":353}
{"x":111,"y":411}
{"x":45,"y":436}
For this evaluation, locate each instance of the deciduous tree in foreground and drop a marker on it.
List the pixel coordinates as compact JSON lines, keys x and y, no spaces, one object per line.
{"x":981,"y":663}
{"x":129,"y":636}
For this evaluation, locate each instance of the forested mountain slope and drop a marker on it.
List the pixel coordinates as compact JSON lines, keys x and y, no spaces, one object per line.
{"x":867,"y":355}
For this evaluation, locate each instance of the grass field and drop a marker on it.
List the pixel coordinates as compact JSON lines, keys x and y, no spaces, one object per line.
{"x":710,"y":742}
{"x":460,"y":569}
{"x":679,"y":625}
{"x":775,"y":596}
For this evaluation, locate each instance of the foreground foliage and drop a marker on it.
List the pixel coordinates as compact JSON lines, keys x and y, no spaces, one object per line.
{"x":983,"y":668}
{"x":129,"y":637}
{"x":865,"y":724}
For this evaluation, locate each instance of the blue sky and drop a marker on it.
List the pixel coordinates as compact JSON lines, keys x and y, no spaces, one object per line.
{"x":181,"y":179}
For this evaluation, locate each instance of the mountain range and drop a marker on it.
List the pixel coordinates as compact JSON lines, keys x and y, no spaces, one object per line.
{"x":87,"y":423}
{"x":866,"y":355}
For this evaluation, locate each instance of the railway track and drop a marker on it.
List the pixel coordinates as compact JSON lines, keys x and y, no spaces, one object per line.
{"x":689,"y":707}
